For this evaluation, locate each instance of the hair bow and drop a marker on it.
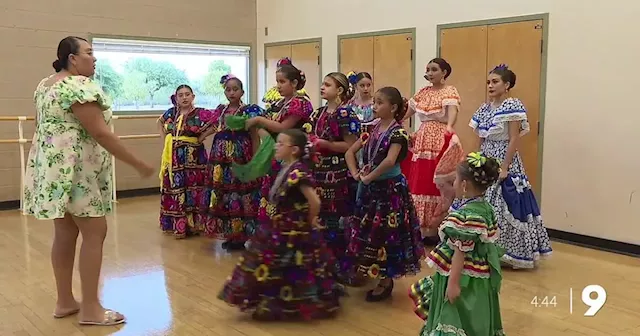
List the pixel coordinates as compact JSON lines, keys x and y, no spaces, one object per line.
{"x":476,"y":159}
{"x":224,"y":79}
{"x":284,"y":61}
{"x":353,"y":77}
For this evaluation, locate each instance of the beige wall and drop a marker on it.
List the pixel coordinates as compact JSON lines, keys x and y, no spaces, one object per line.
{"x":30,"y":31}
{"x":590,"y":179}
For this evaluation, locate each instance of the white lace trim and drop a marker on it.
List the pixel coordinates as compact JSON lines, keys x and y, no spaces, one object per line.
{"x":465,"y":271}
{"x":498,"y":131}
{"x":450,"y":102}
{"x":524,"y":264}
{"x":455,"y":331}
{"x":482,"y":233}
{"x":440,"y":116}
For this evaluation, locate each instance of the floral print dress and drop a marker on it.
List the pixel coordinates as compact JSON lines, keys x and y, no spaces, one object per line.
{"x":67,"y":172}
{"x":522,"y":231}
{"x":183,"y":188}
{"x":285,"y":273}
{"x":336,"y":187}
{"x":233,"y":204}
{"x":384,"y":232}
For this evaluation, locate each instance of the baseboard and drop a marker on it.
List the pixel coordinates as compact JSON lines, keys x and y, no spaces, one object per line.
{"x":595,"y":243}
{"x":567,"y":237}
{"x":15,"y":205}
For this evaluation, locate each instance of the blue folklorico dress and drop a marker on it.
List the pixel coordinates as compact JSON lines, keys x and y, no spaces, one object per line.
{"x":522,"y":231}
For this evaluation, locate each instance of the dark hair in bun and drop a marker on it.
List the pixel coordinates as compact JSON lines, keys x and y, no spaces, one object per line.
{"x":292,"y":73}
{"x":480,"y":170}
{"x":69,"y":45}
{"x":444,"y":66}
{"x":505,"y":74}
{"x":395,"y":98}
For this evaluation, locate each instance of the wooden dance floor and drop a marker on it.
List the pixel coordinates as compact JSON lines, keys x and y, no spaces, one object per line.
{"x":169,"y":287}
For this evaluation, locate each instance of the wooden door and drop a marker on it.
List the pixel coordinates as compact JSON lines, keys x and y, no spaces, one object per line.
{"x":392,"y":64}
{"x":466,"y":51}
{"x":519,"y":45}
{"x":272,"y":55}
{"x":306,"y":57}
{"x":356,"y":54}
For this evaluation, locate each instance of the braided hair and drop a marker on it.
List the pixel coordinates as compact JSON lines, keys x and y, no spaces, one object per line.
{"x":480,"y":170}
{"x":342,"y":81}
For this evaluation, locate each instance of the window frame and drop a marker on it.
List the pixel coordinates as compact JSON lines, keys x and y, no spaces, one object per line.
{"x":250,"y":63}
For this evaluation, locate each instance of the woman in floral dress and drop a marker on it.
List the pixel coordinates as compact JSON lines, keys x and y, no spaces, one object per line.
{"x":430,"y":166}
{"x":68,"y":176}
{"x":233,"y":204}
{"x":500,"y":124}
{"x":184,"y":162}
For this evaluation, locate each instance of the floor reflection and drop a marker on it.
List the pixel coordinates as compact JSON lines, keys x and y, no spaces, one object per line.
{"x":143,"y":299}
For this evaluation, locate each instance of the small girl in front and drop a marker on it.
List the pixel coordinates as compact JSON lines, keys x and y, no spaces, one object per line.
{"x":286,"y":271}
{"x":461,"y":298}
{"x":384,"y":232}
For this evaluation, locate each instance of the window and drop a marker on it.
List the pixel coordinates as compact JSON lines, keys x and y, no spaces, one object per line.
{"x":142,"y":75}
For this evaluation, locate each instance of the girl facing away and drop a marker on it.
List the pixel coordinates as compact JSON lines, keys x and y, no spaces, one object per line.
{"x":286,"y":272}
{"x":233,"y":204}
{"x":384,"y":233}
{"x":336,"y":128}
{"x":499,"y":124}
{"x":461,"y":298}
{"x":184,"y":163}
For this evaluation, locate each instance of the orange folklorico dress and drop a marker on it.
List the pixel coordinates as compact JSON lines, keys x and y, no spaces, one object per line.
{"x":430,"y":166}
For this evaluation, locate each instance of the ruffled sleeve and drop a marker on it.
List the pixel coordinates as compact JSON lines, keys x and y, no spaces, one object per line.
{"x":252,"y":111}
{"x":493,"y":123}
{"x":463,"y":229}
{"x":205,"y":116}
{"x":401,"y":137}
{"x":299,"y":176}
{"x":512,"y":109}
{"x":413,"y":102}
{"x":168,"y":115}
{"x":82,"y":90}
{"x":450,"y":96}
{"x":348,"y":121}
{"x":298,"y":107}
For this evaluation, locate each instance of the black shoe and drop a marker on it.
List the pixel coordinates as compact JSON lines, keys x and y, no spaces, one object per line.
{"x":225,"y":245}
{"x":236,"y":246}
{"x":431,"y":241}
{"x":382,"y":296}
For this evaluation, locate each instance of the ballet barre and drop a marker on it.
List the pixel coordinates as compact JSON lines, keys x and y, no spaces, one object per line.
{"x":21,"y":141}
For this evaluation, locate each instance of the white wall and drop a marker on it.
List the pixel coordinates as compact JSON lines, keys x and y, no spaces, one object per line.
{"x":591,"y":178}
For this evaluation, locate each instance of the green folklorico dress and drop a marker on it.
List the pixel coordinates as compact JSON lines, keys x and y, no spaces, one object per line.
{"x":476,"y":312}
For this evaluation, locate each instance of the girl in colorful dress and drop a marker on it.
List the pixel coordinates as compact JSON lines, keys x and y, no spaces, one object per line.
{"x":286,"y":273}
{"x":233,"y":205}
{"x":385,"y":231}
{"x":461,"y":298}
{"x":292,"y":111}
{"x":500,"y":124}
{"x":362,"y":101}
{"x":430,"y":166}
{"x":336,"y":129}
{"x":184,"y":163}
